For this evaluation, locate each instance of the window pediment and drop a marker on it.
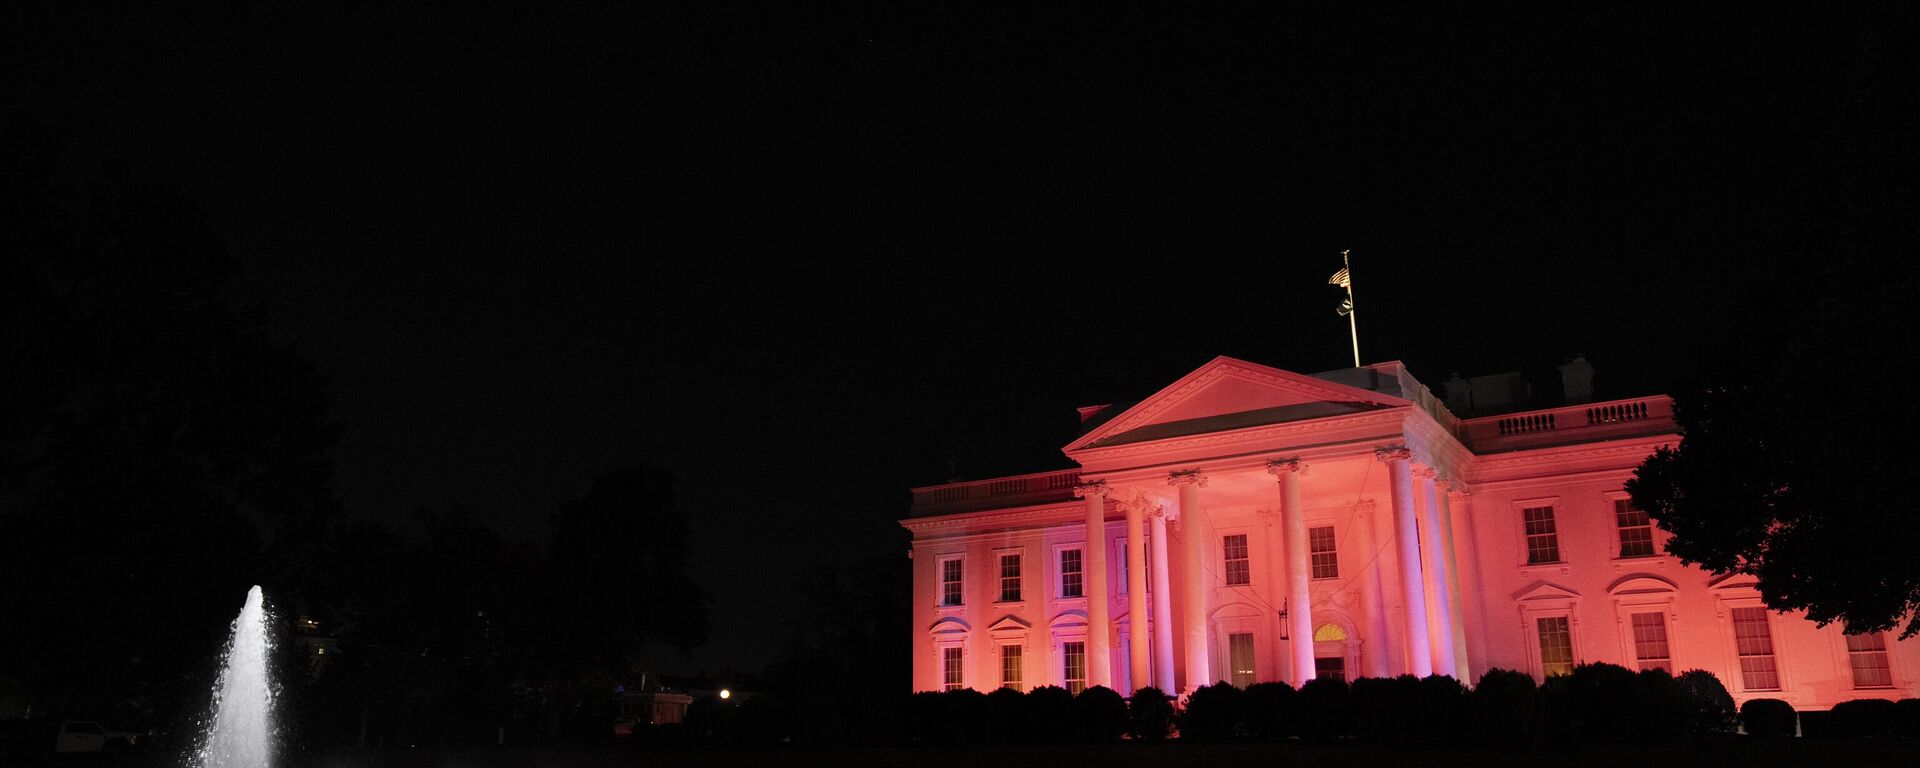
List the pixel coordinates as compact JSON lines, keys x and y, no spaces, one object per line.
{"x":1010,"y":624}
{"x":948,"y":627}
{"x":1544,"y":590}
{"x":1641,"y":584}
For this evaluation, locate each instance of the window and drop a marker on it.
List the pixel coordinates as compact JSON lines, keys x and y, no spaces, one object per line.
{"x":951,"y":571}
{"x":1556,"y":646}
{"x":1330,"y":667}
{"x":1543,"y":545}
{"x":1119,"y":560}
{"x":1326,"y":561}
{"x":1238,"y":569}
{"x":1010,"y":658}
{"x":1868,"y":655}
{"x":950,"y":669}
{"x":1636,"y":529}
{"x":1074,"y":657}
{"x":1009,"y":578}
{"x":1240,"y":659}
{"x":1650,"y":641}
{"x":1070,"y":574}
{"x":1755,"y":646}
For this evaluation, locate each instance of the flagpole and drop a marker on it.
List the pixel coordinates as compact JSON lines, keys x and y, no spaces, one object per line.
{"x":1353,"y":328}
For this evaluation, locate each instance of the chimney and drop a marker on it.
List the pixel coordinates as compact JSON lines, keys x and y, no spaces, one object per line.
{"x":1459,"y":395}
{"x":1576,"y":379}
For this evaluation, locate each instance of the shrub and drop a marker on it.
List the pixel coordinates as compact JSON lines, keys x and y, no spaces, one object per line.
{"x":1099,"y":714}
{"x":1601,"y":700}
{"x":1149,"y":714}
{"x":1049,"y":714}
{"x":1006,"y":717}
{"x":1906,"y":717}
{"x":1553,"y":710}
{"x":1322,"y":704}
{"x":1268,"y":710}
{"x":1768,"y":717}
{"x":1503,"y":706}
{"x":1660,"y":707}
{"x":1213,"y":713}
{"x":966,"y":716}
{"x":1709,"y":706}
{"x":1441,"y":706}
{"x":924,"y":716}
{"x":1863,"y":719}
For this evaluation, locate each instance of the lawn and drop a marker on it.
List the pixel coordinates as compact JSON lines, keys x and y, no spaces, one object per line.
{"x":1735,"y":751}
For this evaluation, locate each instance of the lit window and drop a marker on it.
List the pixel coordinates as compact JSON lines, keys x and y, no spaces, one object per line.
{"x":1650,"y":641}
{"x":1556,"y":646}
{"x":950,"y":581}
{"x":1125,"y":565}
{"x":1636,"y":529}
{"x":1240,"y":658}
{"x":1330,"y":667}
{"x":1326,"y":561}
{"x":1074,"y":666}
{"x":1755,"y":646}
{"x":1010,"y":658}
{"x":1070,"y":574}
{"x":950,"y":668}
{"x":1009,"y":578}
{"x":1868,"y":655}
{"x":1543,"y":545}
{"x":1239,"y":570}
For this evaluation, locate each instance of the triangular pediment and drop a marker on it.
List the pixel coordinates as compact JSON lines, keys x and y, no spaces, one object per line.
{"x":1010,"y":623}
{"x":1227,"y":394}
{"x":1544,"y":590}
{"x":1730,"y":582}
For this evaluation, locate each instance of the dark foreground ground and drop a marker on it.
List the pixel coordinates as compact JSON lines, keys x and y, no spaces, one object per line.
{"x":1740,"y":752}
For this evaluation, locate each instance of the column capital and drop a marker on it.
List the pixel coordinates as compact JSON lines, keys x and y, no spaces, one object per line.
{"x":1451,"y":485}
{"x":1187,"y":477}
{"x":1090,"y":488}
{"x":1278,"y":467}
{"x":1426,"y":473}
{"x":1393,"y":453}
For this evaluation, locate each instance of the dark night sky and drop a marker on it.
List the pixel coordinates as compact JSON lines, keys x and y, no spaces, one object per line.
{"x":805,"y":259}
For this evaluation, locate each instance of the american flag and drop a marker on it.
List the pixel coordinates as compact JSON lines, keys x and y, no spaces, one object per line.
{"x":1341,"y":278}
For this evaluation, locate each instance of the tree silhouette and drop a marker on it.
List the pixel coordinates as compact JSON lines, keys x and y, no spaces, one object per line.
{"x":155,"y":445}
{"x":1793,"y":463}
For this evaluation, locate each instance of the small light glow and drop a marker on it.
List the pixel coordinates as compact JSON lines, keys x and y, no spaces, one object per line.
{"x":726,"y":694}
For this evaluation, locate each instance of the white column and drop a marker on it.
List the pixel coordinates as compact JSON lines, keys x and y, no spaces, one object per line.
{"x":1093,"y":580}
{"x":1195,"y":542}
{"x":1162,"y":604}
{"x":1475,"y":599}
{"x":1406,"y":534}
{"x":1138,"y":663}
{"x":1455,"y":600}
{"x":1433,"y":558}
{"x":1376,"y":647}
{"x":1293,"y":525}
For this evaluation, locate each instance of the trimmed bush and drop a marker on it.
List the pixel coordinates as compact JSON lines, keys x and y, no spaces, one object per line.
{"x":1441,"y":704}
{"x":1322,"y":705}
{"x":1213,"y":713}
{"x":1553,"y":710}
{"x":1049,"y":714}
{"x":1601,"y":700}
{"x":1768,"y":717}
{"x":1660,"y":707}
{"x":1150,"y":714}
{"x":1906,"y":717}
{"x":1862,"y":719}
{"x":1269,"y":710}
{"x":1099,"y":714}
{"x":1709,"y":706}
{"x":1006,"y":711}
{"x":1503,"y":706}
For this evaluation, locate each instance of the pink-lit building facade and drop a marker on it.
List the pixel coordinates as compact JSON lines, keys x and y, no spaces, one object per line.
{"x":1250,"y":524}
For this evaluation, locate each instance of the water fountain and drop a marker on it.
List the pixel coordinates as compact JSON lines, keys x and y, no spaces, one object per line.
{"x":240,"y":733}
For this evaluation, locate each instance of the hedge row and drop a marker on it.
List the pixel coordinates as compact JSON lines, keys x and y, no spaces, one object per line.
{"x":1598,"y":702}
{"x":1856,"y":719}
